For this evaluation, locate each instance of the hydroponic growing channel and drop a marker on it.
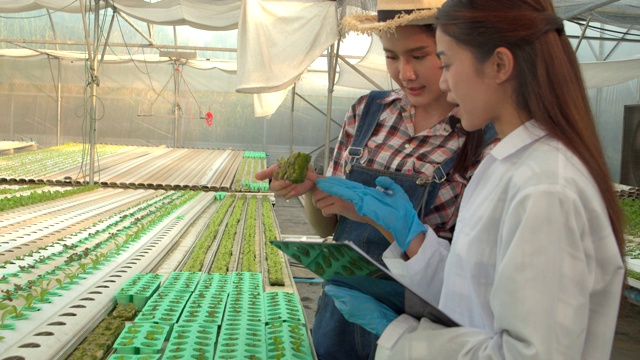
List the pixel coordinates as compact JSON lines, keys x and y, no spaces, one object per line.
{"x":69,"y":262}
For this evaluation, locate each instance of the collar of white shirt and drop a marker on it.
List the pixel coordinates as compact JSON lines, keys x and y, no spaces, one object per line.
{"x":519,"y":138}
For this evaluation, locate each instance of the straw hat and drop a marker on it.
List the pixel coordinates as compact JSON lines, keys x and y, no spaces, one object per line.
{"x":391,"y":14}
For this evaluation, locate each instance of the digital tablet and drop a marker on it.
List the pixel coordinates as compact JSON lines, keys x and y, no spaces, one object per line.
{"x":345,"y":264}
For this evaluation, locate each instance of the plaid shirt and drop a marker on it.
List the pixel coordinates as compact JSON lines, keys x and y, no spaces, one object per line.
{"x":393,"y":146}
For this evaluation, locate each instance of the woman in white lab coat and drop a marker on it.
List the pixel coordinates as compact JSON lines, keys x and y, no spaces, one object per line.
{"x":535,"y":267}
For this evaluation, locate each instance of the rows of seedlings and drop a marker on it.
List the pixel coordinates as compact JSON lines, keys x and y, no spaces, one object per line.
{"x":61,"y":277}
{"x":223,"y":256}
{"x":49,"y":269}
{"x":139,"y":167}
{"x":29,"y":227}
{"x":274,"y":257}
{"x":10,"y":190}
{"x":194,"y":315}
{"x":237,"y":239}
{"x":236,"y":217}
{"x":33,"y":197}
{"x":197,"y":256}
{"x":245,"y":180}
{"x":48,"y":279}
{"x":250,"y":244}
{"x":30,"y":165}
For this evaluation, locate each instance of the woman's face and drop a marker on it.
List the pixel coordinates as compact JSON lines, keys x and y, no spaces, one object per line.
{"x":413,"y":64}
{"x":464,"y":82}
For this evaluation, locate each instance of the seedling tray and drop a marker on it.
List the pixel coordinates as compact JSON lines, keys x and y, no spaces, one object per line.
{"x":141,"y":338}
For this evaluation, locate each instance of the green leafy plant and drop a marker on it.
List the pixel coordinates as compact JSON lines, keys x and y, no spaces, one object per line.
{"x":15,"y":311}
{"x":43,"y":291}
{"x":6,"y":311}
{"x":8,"y":294}
{"x":249,"y":233}
{"x":631,"y":210}
{"x":13,"y":202}
{"x":633,"y":250}
{"x":274,"y":261}
{"x":70,"y":276}
{"x":28,"y":299}
{"x":196,"y":258}
{"x":97,"y":259}
{"x":20,"y":189}
{"x":118,"y":246}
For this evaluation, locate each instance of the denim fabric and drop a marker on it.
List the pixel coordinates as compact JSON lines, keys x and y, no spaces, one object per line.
{"x":334,"y":337}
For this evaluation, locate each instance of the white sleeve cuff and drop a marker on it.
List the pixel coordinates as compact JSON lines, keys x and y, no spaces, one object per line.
{"x":424,"y":273}
{"x":396,"y":329}
{"x":432,"y":247}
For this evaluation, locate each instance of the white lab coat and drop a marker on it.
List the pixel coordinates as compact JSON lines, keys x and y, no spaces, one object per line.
{"x":533,"y":271}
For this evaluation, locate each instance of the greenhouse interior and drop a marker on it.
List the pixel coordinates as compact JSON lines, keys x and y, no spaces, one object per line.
{"x":131,"y":222}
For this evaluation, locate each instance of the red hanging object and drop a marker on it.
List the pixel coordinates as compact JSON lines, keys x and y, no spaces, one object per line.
{"x":209,"y":117}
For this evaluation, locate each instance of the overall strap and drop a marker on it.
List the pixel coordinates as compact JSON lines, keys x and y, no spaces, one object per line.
{"x":371,"y":112}
{"x":440,"y":173}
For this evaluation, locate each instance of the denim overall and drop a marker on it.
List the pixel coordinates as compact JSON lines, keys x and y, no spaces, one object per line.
{"x":333,"y":336}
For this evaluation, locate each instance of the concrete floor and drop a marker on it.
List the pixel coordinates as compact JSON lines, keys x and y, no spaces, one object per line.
{"x":292,"y":223}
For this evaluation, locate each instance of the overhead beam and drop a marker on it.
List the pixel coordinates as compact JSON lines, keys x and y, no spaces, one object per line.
{"x":588,"y":8}
{"x":130,"y":22}
{"x":365,"y":76}
{"x":106,"y":40}
{"x":180,"y":55}
{"x":604,"y":39}
{"x":114,"y":44}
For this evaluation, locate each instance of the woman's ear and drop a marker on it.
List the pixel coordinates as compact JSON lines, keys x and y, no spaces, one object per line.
{"x":502,"y":64}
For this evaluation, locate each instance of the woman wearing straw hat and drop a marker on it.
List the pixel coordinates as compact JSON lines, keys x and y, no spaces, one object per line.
{"x":410,"y":135}
{"x":535,"y":267}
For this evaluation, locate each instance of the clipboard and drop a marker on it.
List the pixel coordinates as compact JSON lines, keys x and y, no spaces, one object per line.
{"x":345,"y":264}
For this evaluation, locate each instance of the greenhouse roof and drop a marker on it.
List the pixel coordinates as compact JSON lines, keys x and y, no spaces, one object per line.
{"x":268,"y":45}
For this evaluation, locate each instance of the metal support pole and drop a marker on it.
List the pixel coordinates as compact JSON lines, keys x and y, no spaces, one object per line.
{"x":293,"y":100}
{"x":93,"y":79}
{"x":59,"y":99}
{"x":176,"y":85}
{"x":332,"y":62}
{"x":587,"y":8}
{"x":94,"y":93}
{"x":584,"y":30}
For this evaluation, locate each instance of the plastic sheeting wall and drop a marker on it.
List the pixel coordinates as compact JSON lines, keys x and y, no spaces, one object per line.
{"x":127,"y":115}
{"x":608,"y":102}
{"x":608,"y":106}
{"x":129,"y":111}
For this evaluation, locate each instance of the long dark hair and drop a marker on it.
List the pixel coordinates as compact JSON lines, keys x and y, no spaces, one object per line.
{"x":549,"y":86}
{"x":472,"y":147}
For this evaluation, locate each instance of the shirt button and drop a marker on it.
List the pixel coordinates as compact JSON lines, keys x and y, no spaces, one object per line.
{"x":406,"y":146}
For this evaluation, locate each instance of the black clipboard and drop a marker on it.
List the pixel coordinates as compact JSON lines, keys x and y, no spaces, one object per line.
{"x":345,"y":264}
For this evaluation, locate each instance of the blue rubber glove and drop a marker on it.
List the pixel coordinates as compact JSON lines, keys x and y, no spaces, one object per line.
{"x":361,"y":309}
{"x":388,"y":205}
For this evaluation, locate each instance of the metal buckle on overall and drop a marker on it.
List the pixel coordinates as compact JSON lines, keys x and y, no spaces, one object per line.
{"x":435,"y":175}
{"x":353,"y":156}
